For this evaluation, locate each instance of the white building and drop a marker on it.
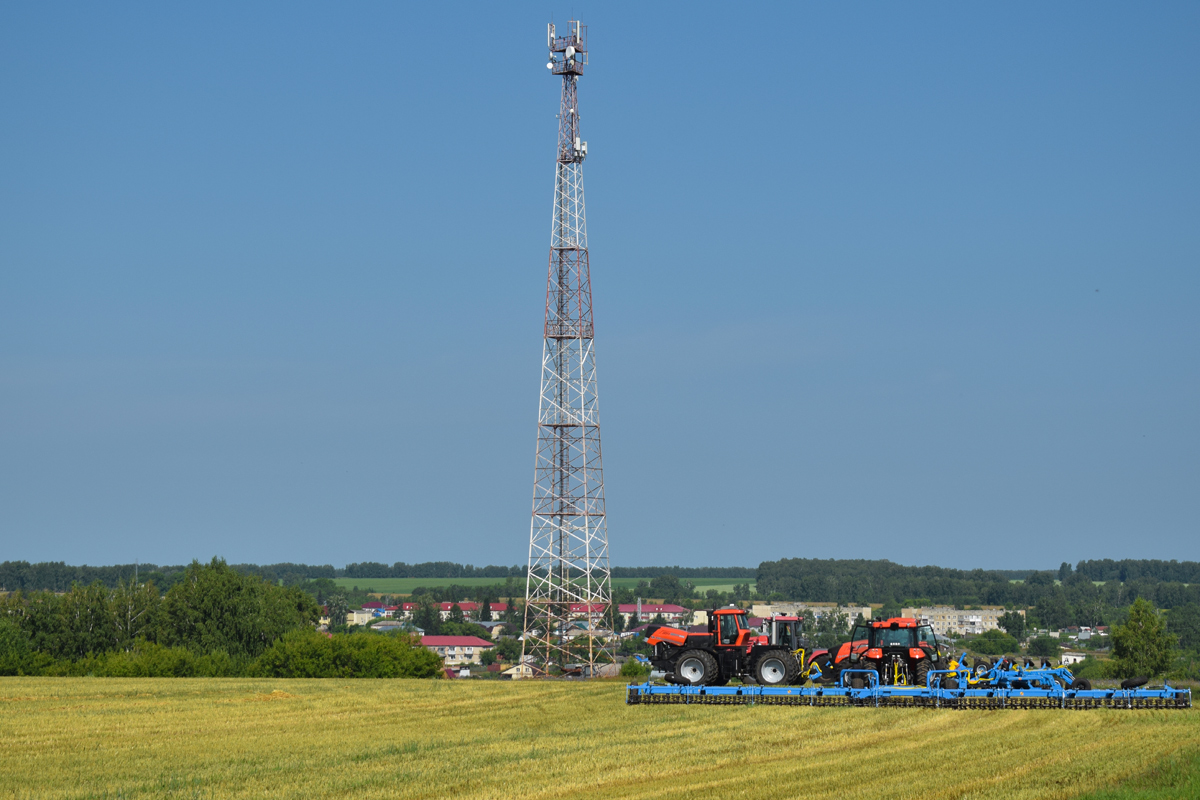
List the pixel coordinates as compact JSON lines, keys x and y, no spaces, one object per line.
{"x":944,"y":619}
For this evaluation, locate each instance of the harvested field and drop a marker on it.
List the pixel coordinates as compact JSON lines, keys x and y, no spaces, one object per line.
{"x":93,"y":738}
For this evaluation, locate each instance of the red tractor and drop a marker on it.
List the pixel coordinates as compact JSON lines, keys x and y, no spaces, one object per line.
{"x":729,"y":649}
{"x":901,"y":651}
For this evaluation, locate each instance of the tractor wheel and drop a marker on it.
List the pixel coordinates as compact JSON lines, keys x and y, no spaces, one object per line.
{"x":695,"y":668}
{"x":775,"y":668}
{"x":856,"y":682}
{"x":874,"y":666}
{"x":1081,"y":683}
{"x":921,"y":675}
{"x":949,"y":683}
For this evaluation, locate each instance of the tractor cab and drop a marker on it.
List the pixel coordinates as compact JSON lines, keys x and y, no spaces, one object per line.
{"x":728,"y":627}
{"x":784,"y":631}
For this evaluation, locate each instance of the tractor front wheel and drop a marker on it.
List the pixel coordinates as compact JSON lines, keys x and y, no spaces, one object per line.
{"x":775,"y":668}
{"x":695,"y":668}
{"x":922,"y":672}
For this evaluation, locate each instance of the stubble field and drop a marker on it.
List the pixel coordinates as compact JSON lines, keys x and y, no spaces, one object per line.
{"x":111,"y":738}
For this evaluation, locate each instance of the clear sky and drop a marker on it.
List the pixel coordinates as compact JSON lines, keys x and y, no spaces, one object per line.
{"x":907,"y":281}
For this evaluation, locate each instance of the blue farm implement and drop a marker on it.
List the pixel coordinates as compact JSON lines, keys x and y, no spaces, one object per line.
{"x":933,"y":695}
{"x":894,"y":662}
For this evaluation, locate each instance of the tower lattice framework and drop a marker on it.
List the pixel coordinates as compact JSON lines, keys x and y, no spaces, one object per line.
{"x":568,"y":591}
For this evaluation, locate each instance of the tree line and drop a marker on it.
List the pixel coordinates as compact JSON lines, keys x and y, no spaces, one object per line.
{"x":58,"y":576}
{"x":213,"y":621}
{"x":1059,"y":597}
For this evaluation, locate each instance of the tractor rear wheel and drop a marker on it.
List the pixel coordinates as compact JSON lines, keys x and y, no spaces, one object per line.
{"x":695,"y":668}
{"x":775,"y":668}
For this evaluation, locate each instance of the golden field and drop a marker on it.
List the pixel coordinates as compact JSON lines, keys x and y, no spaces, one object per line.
{"x":216,"y":738}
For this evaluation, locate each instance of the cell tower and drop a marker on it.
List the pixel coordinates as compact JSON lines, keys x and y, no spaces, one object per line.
{"x":568,"y":592}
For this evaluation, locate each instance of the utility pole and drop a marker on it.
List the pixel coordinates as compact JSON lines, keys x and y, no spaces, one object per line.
{"x":568,"y":589}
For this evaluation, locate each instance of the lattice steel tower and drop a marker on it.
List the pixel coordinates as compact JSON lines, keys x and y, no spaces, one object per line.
{"x":568,"y":591}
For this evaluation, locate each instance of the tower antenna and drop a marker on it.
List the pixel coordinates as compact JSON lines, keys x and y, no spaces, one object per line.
{"x":568,"y":591}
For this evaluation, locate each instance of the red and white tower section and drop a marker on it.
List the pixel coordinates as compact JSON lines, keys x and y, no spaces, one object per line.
{"x":568,"y":592}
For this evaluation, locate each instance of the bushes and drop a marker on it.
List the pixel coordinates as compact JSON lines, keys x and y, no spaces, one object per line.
{"x":16,"y":655}
{"x":308,"y":654}
{"x":994,"y":643}
{"x":1046,"y":646}
{"x":633,"y":669}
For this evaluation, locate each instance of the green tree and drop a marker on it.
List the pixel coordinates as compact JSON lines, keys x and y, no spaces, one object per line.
{"x":88,"y":624}
{"x":217,"y":608}
{"x":1142,"y":645}
{"x":339,"y":609}
{"x":1052,"y":609}
{"x":135,"y":610}
{"x":427,"y":616}
{"x":1044,"y":646}
{"x":1184,"y":622}
{"x":16,"y":656}
{"x":1013,"y":624}
{"x":994,"y":643}
{"x":488,"y":656}
{"x":669,"y":588}
{"x":456,"y":613}
{"x":485,"y":611}
{"x":508,"y":649}
{"x":890,"y":610}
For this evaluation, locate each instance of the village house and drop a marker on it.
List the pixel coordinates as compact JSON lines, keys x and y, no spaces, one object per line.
{"x":811,"y":612}
{"x":358,"y":616}
{"x":944,"y":619}
{"x":455,"y":650}
{"x":469,"y":609}
{"x":637,"y":613}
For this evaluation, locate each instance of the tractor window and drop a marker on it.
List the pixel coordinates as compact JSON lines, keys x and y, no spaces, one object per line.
{"x":859,"y":637}
{"x":729,"y":628}
{"x":894,"y":637}
{"x":787,"y":635}
{"x":926,"y":639}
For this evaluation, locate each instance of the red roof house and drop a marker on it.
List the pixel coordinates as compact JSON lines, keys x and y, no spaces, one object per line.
{"x":457,"y":649}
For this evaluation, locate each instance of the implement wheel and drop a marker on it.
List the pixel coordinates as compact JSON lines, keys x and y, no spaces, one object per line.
{"x":1081,"y":683}
{"x":695,"y":668}
{"x":825,"y":662}
{"x":775,"y":668}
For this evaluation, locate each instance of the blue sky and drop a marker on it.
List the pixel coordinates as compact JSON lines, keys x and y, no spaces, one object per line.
{"x":914,"y":282}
